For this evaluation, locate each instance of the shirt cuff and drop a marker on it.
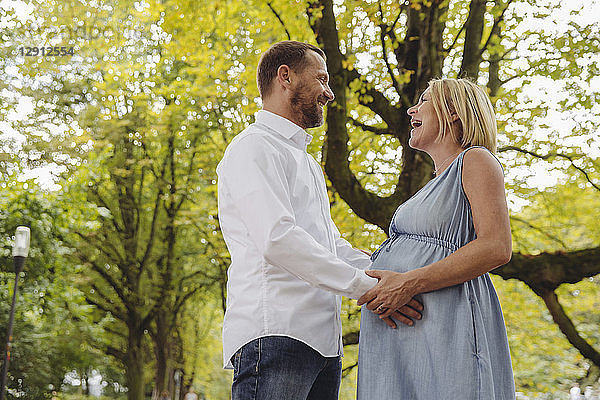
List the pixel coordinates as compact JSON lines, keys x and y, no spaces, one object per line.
{"x":363,"y":284}
{"x":362,"y":263}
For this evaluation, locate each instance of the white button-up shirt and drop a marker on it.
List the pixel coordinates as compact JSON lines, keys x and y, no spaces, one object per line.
{"x":288,"y":261}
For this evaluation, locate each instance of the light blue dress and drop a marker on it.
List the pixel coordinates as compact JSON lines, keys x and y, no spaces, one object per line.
{"x":459,"y":349}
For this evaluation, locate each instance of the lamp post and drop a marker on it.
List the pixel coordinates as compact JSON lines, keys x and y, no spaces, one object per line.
{"x":20,"y":252}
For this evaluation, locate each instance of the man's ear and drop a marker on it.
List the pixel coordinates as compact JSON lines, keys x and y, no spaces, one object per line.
{"x":284,"y":75}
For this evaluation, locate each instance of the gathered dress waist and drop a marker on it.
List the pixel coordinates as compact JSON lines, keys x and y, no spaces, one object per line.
{"x":387,"y":244}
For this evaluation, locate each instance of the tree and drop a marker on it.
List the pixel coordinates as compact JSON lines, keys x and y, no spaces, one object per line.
{"x":134,"y":166}
{"x":48,"y":340}
{"x":380,"y":57}
{"x":415,"y":42}
{"x":143,"y":72}
{"x":142,"y":269}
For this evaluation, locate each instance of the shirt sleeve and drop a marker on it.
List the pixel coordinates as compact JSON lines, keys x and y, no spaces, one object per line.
{"x":346,"y":252}
{"x":254,"y":176}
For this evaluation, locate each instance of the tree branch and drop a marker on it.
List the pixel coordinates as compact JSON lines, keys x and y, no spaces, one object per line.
{"x":189,"y":174}
{"x":568,"y":328}
{"x":289,"y":37}
{"x":98,"y":305}
{"x":350,"y":338}
{"x":116,"y":333}
{"x":119,"y":313}
{"x":507,"y":52}
{"x":150,"y":243}
{"x":367,"y":205}
{"x":449,"y":48}
{"x":107,"y":277}
{"x":93,"y":242}
{"x":118,"y":354}
{"x":379,"y":103}
{"x":551,"y":155}
{"x":395,"y":83}
{"x":383,"y":33}
{"x":542,"y":231}
{"x":547,"y":271}
{"x":510,"y":78}
{"x":369,"y":128}
{"x":346,"y":371}
{"x":95,"y":190}
{"x":183,"y":299}
{"x":496,"y":25}
{"x":402,"y":10}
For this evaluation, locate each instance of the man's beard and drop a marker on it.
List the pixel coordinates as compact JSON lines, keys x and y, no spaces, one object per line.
{"x":308,"y":109}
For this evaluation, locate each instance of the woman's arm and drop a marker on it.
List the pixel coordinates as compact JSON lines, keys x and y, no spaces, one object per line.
{"x":483,"y":183}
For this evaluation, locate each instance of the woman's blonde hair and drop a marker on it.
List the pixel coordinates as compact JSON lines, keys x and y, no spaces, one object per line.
{"x":476,"y":118}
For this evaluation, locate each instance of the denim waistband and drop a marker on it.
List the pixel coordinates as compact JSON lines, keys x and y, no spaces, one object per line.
{"x":387,"y":244}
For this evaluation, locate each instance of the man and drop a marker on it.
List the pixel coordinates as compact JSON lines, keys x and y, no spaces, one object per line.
{"x":190,"y":395}
{"x":282,"y":329}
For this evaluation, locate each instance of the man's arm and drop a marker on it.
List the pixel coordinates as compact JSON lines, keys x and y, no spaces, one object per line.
{"x":254,"y":177}
{"x":346,"y":252}
{"x":357,"y":258}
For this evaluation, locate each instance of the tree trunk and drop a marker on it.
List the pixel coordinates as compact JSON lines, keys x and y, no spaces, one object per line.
{"x":161,"y":352}
{"x":473,"y":34}
{"x":134,"y":374}
{"x":418,"y":51}
{"x":418,"y":56}
{"x":86,"y":380}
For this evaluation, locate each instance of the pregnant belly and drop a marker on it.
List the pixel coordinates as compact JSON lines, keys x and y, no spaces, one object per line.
{"x":406,"y":253}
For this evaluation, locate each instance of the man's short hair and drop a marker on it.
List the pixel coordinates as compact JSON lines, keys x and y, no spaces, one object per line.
{"x":288,"y":52}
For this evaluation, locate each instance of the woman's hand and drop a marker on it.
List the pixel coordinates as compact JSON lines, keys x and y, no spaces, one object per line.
{"x":392,"y":297}
{"x":483,"y":185}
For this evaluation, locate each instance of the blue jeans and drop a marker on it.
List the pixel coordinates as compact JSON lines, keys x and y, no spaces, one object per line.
{"x":282,"y":368}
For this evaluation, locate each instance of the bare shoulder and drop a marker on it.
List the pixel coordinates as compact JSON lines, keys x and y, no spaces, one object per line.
{"x":481,"y":169}
{"x":480,"y":162}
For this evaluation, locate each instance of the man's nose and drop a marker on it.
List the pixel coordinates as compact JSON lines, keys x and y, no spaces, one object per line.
{"x":329,"y":94}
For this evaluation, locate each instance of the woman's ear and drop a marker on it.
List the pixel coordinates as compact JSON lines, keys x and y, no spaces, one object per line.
{"x":454,"y":117}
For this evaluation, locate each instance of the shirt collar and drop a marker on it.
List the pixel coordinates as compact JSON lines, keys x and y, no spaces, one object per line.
{"x":283,"y":127}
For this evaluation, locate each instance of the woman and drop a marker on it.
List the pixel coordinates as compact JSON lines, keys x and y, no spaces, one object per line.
{"x":442,"y":243}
